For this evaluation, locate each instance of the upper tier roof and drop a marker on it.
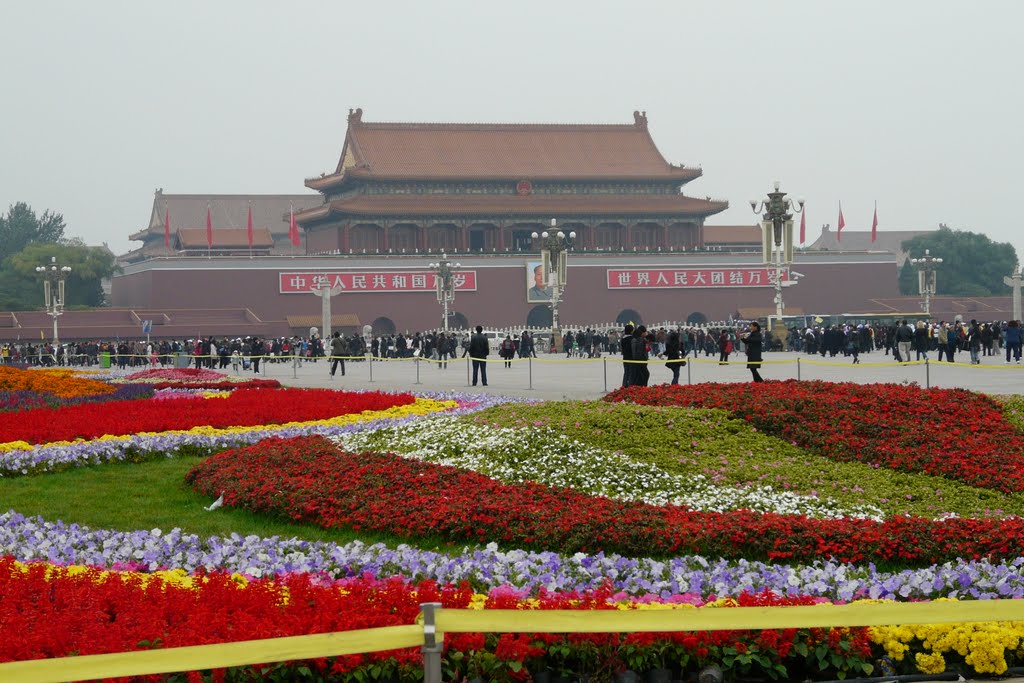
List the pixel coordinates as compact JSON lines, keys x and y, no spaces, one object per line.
{"x":476,"y":151}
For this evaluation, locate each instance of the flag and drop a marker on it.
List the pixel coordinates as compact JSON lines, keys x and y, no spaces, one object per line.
{"x":293,"y":229}
{"x":249,"y":227}
{"x":874,"y":225}
{"x":209,"y":228}
{"x":803,"y":225}
{"x":167,"y":228}
{"x":842,"y":224}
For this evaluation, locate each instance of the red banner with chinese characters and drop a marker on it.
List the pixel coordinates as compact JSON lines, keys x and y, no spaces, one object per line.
{"x":368,"y":281}
{"x":690,"y":278}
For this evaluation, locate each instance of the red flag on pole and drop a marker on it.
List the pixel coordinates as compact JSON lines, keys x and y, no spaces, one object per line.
{"x":293,"y":229}
{"x":249,"y":228}
{"x":167,"y":228}
{"x":874,"y":225}
{"x":842,"y":223}
{"x":803,"y":225}
{"x":209,"y":228}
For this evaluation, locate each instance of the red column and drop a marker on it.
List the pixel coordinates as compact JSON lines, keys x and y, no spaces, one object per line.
{"x":384,"y":229}
{"x":345,"y":230}
{"x":501,"y":237}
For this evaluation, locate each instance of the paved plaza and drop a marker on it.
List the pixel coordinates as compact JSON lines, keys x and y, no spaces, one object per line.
{"x":556,"y":377}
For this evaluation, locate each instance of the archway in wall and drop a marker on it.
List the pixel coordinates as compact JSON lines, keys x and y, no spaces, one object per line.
{"x":539,"y":316}
{"x":696,"y":318}
{"x":458,"y":321}
{"x":382,"y":326}
{"x":628,"y":315}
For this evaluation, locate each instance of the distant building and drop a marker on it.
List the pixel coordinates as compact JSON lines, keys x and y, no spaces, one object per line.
{"x":229,"y":216}
{"x":860,"y":240}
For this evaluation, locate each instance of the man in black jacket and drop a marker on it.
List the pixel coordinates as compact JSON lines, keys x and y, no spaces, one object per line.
{"x":626,"y":346}
{"x":478,"y":349}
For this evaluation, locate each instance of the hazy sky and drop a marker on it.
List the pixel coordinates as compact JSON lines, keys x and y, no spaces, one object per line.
{"x":916,"y":104}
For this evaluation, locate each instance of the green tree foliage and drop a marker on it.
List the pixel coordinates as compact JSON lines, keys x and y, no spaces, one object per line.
{"x":21,"y":227}
{"x":972,"y":264}
{"x":27,"y":241}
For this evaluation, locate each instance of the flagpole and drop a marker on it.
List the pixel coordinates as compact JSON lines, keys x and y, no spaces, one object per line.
{"x":209,"y":232}
{"x":249,"y":230}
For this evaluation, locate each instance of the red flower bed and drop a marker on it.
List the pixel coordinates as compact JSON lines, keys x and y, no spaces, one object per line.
{"x":949,"y":433}
{"x":309,"y":480}
{"x":244,"y":407}
{"x":49,"y":612}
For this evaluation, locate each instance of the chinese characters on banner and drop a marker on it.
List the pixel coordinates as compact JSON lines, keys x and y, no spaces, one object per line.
{"x":689,"y":278}
{"x":382,"y":281}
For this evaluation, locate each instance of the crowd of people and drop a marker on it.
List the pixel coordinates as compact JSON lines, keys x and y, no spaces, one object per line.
{"x":905,"y":341}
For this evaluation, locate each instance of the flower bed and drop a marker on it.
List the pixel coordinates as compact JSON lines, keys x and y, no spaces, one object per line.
{"x":172,"y":611}
{"x":244,"y":407}
{"x":309,"y":480}
{"x":951,"y":433}
{"x":641,"y":579}
{"x":196,"y":378}
{"x":20,"y":401}
{"x":62,"y":383}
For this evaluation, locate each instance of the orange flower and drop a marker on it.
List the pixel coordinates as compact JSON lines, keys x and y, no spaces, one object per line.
{"x":60,"y":382}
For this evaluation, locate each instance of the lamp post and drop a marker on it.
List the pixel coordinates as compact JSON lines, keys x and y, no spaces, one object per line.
{"x":54,"y":276}
{"x":1014,"y":281}
{"x":444,"y":283}
{"x":554,"y":246}
{"x":926,"y":266}
{"x":777,"y":244}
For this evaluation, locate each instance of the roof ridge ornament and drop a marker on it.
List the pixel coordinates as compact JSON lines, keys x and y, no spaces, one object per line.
{"x":355,"y":116}
{"x":640,"y":119}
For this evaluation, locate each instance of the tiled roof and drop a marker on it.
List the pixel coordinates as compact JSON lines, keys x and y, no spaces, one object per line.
{"x":532,"y":205}
{"x":860,"y":240}
{"x":195,"y":238}
{"x":502,"y":151}
{"x":732,"y":234}
{"x":226,"y":211}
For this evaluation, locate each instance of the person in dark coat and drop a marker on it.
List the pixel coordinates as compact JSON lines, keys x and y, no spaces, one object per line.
{"x":641,"y":373}
{"x":752,"y":341}
{"x":478,"y":349}
{"x":673,"y":355}
{"x":626,"y":346}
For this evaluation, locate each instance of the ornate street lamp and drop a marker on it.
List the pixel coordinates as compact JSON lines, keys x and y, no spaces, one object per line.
{"x":554,"y":246}
{"x":926,"y":266}
{"x":1014,"y":281}
{"x":777,"y":245}
{"x":444,"y":283}
{"x":54,"y":276}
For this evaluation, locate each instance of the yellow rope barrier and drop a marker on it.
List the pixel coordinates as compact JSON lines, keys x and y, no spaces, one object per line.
{"x":199,"y":657}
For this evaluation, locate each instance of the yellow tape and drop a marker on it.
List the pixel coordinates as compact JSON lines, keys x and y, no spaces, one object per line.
{"x":296,"y":648}
{"x":212,"y":656}
{"x":733,"y":618}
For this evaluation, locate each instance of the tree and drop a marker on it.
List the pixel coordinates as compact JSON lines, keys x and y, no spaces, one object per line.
{"x":21,"y":227}
{"x":972,"y":264}
{"x":20,"y":287}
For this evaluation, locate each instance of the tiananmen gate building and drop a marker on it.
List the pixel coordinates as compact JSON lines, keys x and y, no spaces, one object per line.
{"x":404,"y":193}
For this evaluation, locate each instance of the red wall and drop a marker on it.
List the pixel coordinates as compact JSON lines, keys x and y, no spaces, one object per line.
{"x":500,"y":299}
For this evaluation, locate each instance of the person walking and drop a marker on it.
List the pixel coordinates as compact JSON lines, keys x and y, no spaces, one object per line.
{"x":508,"y":350}
{"x":673,"y":356}
{"x":478,"y":349}
{"x":752,"y":341}
{"x":1012,"y":340}
{"x":974,"y":342}
{"x":338,"y":349}
{"x":904,"y":340}
{"x":724,"y":348}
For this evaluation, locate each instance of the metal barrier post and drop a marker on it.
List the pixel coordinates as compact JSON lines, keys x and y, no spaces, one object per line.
{"x":927,"y":375}
{"x":295,"y":365}
{"x":529,"y":367}
{"x":604,"y":366}
{"x":433,"y":643}
{"x":689,"y":379}
{"x":417,"y":361}
{"x":372,"y":359}
{"x":469,"y":364}
{"x":798,"y":369}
